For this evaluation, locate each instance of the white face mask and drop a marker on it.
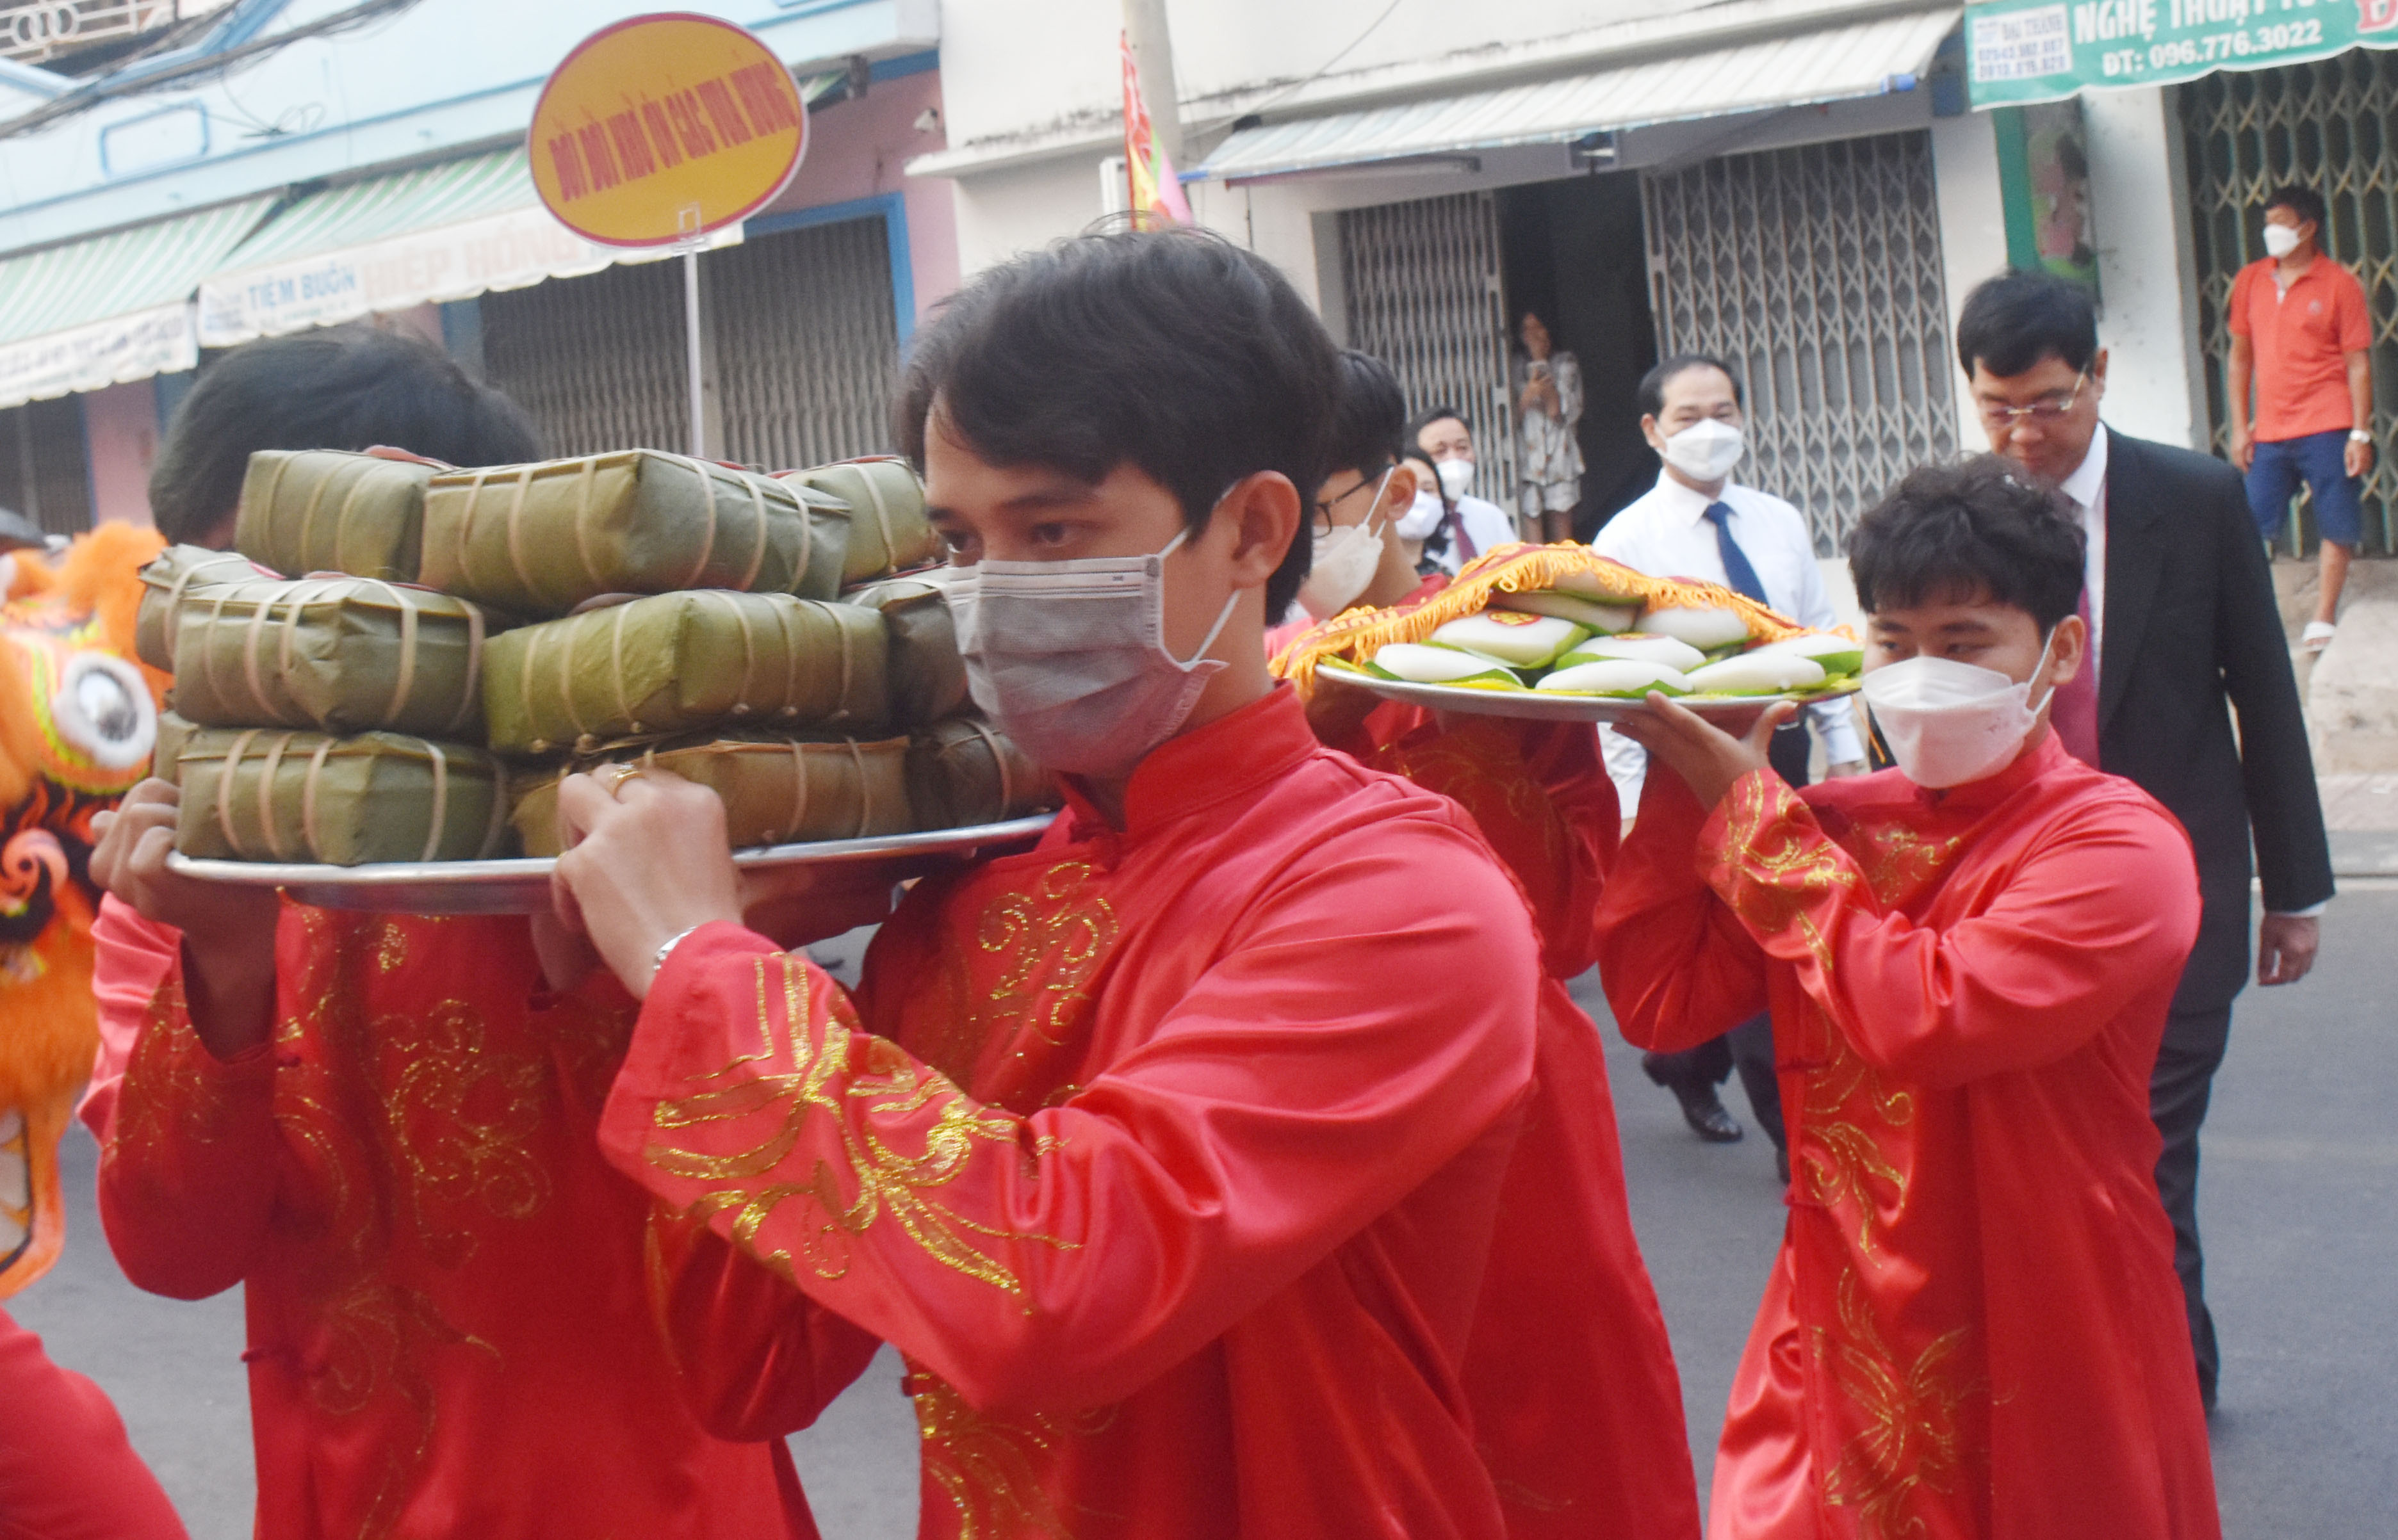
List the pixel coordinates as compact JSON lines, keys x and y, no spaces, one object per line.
{"x":1705,"y":450}
{"x":1344,"y":562}
{"x":1422,"y":517}
{"x":1456,"y":475}
{"x":1947,"y":722}
{"x":1069,"y":658}
{"x":2281,"y":240}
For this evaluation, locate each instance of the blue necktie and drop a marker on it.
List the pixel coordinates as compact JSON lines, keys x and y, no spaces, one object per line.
{"x":1742,"y":576}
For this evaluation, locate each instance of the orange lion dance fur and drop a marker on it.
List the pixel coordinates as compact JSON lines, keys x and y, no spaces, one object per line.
{"x":78,"y":716}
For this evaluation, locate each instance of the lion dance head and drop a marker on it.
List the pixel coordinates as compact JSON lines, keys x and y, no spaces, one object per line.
{"x":78,"y":718}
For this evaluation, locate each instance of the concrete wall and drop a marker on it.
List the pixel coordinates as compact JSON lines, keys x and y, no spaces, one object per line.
{"x":120,"y":427}
{"x":1973,"y":229}
{"x":858,"y":150}
{"x":2147,"y":282}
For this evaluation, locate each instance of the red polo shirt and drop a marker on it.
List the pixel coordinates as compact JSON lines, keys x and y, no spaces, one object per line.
{"x":2302,"y":338}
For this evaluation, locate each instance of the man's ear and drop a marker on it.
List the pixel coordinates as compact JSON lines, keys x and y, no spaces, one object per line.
{"x":1264,"y":511}
{"x":1400,"y":495}
{"x":1649,"y":431}
{"x":2068,"y":650}
{"x":2098,"y":370}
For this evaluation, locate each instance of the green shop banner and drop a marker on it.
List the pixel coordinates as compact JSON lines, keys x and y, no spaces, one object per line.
{"x":2020,"y":51}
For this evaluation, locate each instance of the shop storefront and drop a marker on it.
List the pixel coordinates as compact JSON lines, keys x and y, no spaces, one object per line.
{"x":2328,"y":125}
{"x":1772,"y":202}
{"x":2258,"y":96}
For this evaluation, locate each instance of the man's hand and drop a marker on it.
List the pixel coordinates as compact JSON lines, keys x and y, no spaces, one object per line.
{"x":2243,"y":449}
{"x":1336,"y":709}
{"x":648,"y":860}
{"x":228,"y":932}
{"x":2285,"y":947}
{"x":1706,"y":757}
{"x":2357,"y":459}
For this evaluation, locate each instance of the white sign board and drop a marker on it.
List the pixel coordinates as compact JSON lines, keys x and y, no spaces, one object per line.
{"x":105,"y":352}
{"x":456,"y":261}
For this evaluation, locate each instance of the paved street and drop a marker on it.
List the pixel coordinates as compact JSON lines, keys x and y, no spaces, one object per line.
{"x":2302,"y":1168}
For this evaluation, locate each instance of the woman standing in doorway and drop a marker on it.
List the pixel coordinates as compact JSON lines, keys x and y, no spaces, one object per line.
{"x":1548,"y":411}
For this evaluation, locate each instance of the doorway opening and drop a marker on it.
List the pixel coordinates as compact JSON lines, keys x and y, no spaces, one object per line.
{"x":1573,"y":253}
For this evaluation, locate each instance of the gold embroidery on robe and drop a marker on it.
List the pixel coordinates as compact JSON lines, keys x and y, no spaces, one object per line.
{"x":888,"y":1182}
{"x":1776,"y":880}
{"x":1836,"y":1144}
{"x":1912,"y":1440}
{"x":461,"y":1115}
{"x":993,"y":1469}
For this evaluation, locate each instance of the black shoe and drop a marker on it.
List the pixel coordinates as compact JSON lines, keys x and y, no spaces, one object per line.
{"x":1705,"y":1114}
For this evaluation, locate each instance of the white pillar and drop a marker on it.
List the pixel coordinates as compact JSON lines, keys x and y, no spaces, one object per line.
{"x":2147,"y":277}
{"x":1973,"y":232}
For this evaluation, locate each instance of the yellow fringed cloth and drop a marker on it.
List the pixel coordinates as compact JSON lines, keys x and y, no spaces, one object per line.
{"x":1355,"y":636}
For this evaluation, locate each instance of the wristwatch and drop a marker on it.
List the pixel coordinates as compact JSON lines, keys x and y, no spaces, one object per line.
{"x":2358,"y":435}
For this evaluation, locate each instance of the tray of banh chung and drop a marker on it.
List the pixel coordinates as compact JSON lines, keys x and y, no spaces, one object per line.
{"x":1559,"y":633}
{"x":387,"y":729}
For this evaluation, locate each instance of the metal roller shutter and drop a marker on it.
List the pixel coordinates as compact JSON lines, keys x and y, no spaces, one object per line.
{"x":1424,"y":288}
{"x":807,"y":344}
{"x":44,"y":465}
{"x":598,"y":361}
{"x":804,"y":350}
{"x":1817,"y":273}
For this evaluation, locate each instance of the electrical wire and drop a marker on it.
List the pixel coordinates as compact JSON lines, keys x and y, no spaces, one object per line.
{"x":1325,"y":68}
{"x":111,"y":88}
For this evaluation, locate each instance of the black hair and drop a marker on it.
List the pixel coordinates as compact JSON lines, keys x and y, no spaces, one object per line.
{"x":1172,"y":351}
{"x":342,"y":388}
{"x":2011,"y":322}
{"x":2301,"y":200}
{"x":1368,"y":418}
{"x":1442,"y":413}
{"x":1654,"y":383}
{"x":1979,"y":526}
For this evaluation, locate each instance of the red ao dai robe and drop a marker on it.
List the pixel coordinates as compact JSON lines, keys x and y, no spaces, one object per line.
{"x":1972,"y":1329}
{"x":1577,"y":1406}
{"x":450,"y":1333}
{"x":1167,"y":1155}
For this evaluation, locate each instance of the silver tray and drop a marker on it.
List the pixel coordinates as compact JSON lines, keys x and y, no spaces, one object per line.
{"x":1544,"y":706}
{"x":521,"y":887}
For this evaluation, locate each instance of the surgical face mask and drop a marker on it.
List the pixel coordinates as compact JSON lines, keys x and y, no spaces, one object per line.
{"x":1456,"y":475}
{"x":1705,"y":450}
{"x":1947,"y":722}
{"x":1343,"y":562}
{"x":1421,"y":518}
{"x":2281,"y":239}
{"x":1069,"y":658}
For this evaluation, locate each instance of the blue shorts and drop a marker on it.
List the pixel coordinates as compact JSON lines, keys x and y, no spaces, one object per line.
{"x":2318,"y":460}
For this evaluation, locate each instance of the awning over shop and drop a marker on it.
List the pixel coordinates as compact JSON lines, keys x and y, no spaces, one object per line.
{"x":113,"y":308}
{"x":1836,"y":63}
{"x":436,"y":232}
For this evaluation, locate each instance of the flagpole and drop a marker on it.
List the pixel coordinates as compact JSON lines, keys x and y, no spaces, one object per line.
{"x":1152,"y":55}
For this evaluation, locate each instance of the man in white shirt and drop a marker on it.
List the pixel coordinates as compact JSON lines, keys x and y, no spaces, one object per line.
{"x":1695,"y":523}
{"x":1455,"y":525}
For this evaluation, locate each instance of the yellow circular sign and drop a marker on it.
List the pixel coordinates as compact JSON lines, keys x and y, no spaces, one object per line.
{"x":664,"y":128}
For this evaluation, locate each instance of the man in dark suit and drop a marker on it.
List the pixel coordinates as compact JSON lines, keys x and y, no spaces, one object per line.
{"x":2181,"y":607}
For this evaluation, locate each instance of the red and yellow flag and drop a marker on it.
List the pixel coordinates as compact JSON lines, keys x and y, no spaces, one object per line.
{"x":1156,"y":191}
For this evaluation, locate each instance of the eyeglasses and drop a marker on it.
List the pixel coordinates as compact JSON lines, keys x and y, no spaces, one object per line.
{"x":2050,"y":410}
{"x":1324,"y":510}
